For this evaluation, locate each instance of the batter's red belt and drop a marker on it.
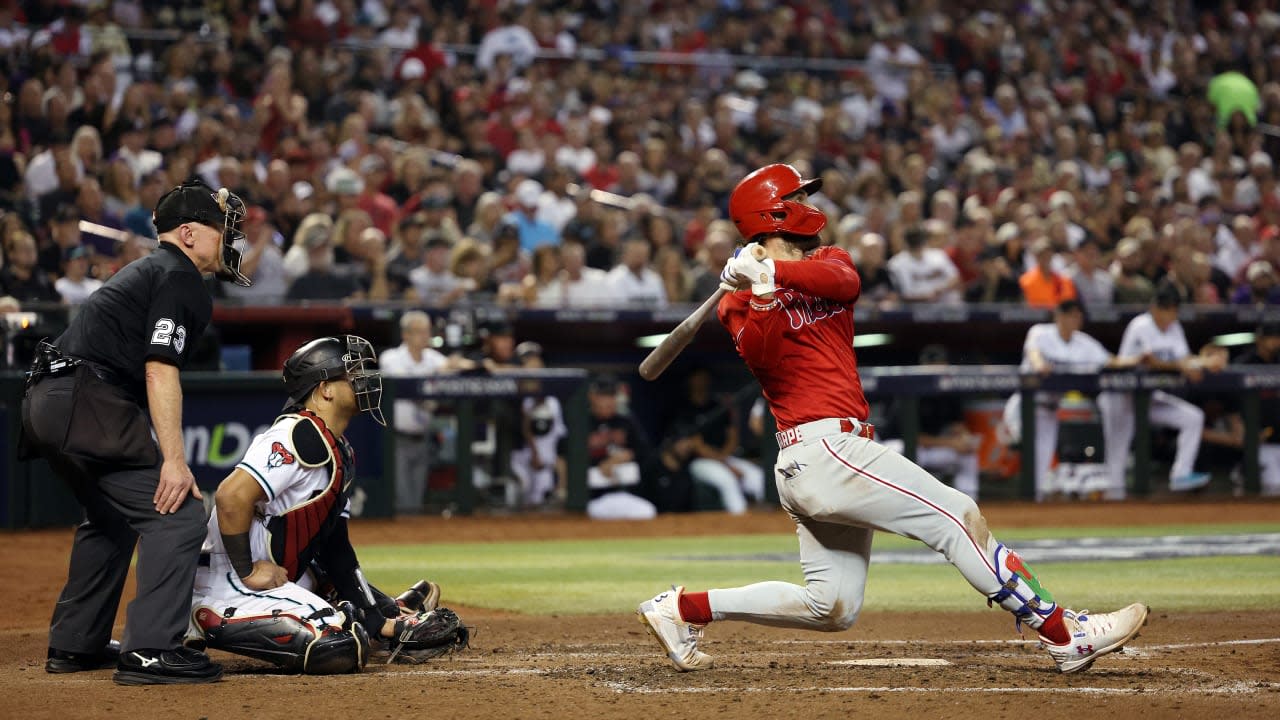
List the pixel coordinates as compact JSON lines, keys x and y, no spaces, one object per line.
{"x":822,"y":428}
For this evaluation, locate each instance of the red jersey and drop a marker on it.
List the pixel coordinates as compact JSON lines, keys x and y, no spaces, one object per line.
{"x":801,"y":350}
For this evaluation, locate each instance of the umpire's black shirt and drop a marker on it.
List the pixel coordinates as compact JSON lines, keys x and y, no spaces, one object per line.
{"x":154,"y":308}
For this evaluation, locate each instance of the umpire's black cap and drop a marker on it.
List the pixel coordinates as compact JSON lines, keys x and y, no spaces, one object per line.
{"x":1268,"y":328}
{"x":192,"y":201}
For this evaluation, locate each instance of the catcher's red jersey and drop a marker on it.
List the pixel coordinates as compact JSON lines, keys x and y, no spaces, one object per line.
{"x":801,"y":351}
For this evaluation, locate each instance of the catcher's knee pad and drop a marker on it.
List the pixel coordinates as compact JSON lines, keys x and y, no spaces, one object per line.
{"x":302,"y":644}
{"x":1020,"y":591}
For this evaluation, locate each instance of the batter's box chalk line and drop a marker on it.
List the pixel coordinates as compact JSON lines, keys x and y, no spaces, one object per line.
{"x":1234,"y":688}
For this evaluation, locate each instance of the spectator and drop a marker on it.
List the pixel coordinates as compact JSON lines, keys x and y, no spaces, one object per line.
{"x":21,"y":278}
{"x":1094,"y":285}
{"x":996,"y":281}
{"x":262,"y":262}
{"x":533,"y":231}
{"x":583,"y":286}
{"x":64,"y":233}
{"x":405,"y":253}
{"x":75,"y":286}
{"x":433,"y":283}
{"x":716,"y":251}
{"x":924,"y":274}
{"x":633,"y":282}
{"x":321,"y":281}
{"x":1262,"y":287}
{"x":877,"y":282}
{"x":617,"y":450}
{"x":1041,"y":285}
{"x":1131,"y":285}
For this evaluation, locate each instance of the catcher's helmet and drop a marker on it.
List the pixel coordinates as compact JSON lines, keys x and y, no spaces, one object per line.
{"x":757,"y":206}
{"x":193,"y":201}
{"x":330,"y":358}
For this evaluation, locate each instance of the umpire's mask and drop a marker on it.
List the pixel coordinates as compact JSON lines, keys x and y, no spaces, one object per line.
{"x":194,"y":201}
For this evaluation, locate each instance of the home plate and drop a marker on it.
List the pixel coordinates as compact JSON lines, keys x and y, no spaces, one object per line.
{"x":891,"y":662}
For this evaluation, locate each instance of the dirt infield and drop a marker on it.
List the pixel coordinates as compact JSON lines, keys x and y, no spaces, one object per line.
{"x":1192,"y":665}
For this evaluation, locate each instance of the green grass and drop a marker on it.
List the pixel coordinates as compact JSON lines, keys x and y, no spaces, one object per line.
{"x":611,"y":576}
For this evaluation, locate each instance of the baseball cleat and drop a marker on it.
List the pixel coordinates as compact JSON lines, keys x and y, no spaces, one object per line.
{"x":661,"y":616}
{"x":1093,"y":636}
{"x":166,"y":667}
{"x":61,"y":661}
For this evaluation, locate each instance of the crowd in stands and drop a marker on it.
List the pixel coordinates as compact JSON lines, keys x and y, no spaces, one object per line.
{"x":541,"y":154}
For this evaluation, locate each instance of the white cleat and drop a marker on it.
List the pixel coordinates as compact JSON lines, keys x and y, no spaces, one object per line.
{"x":661,"y":616}
{"x":1094,"y":635}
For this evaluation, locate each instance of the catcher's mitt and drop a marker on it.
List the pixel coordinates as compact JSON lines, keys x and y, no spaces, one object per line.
{"x":428,"y":635}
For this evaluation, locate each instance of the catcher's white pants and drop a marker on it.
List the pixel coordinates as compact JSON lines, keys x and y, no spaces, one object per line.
{"x":733,"y":489}
{"x":839,"y":489}
{"x":217,"y":587}
{"x":1167,"y":411}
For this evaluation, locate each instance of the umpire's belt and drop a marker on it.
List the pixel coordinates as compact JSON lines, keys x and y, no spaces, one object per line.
{"x":823,"y":428}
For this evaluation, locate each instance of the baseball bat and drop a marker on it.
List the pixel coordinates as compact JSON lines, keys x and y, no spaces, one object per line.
{"x":661,"y":357}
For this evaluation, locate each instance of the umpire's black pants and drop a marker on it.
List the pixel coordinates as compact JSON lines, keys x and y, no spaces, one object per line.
{"x":119,"y":515}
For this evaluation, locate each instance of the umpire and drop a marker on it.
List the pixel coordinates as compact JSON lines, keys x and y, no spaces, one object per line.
{"x":97,"y":404}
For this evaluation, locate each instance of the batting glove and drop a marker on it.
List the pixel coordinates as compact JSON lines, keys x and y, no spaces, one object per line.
{"x":760,"y":272}
{"x":729,"y":277}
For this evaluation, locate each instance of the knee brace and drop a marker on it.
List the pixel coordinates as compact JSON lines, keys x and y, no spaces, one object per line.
{"x":1020,"y":591}
{"x":307,"y":644}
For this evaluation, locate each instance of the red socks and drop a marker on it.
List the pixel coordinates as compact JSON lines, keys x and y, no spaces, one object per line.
{"x":1053,"y":628}
{"x":696,"y":608}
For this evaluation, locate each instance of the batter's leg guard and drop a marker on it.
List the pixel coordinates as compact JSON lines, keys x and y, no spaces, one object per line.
{"x":301,"y":644}
{"x":1020,"y":592}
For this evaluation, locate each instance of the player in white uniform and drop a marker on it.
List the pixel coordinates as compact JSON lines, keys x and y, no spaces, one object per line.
{"x":1155,"y":340}
{"x":1056,"y":347}
{"x":280,"y":520}
{"x":542,"y":427}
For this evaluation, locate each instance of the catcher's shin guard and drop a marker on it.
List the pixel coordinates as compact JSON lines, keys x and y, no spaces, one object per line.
{"x":300,"y":644}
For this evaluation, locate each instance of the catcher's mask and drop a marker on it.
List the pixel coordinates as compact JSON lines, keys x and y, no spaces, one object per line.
{"x":223,"y":210}
{"x":757,"y":205}
{"x":332,"y":358}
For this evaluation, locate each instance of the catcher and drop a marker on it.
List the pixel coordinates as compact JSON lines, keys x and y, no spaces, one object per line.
{"x":278,"y":578}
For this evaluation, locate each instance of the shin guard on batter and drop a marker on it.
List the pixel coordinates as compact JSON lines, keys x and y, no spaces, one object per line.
{"x":310,"y":644}
{"x":1020,"y":592}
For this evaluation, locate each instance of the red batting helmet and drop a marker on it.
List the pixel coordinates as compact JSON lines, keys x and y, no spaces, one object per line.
{"x":757,"y":206}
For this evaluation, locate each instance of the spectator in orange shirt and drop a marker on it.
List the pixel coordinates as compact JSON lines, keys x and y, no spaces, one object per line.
{"x":1042,"y":286}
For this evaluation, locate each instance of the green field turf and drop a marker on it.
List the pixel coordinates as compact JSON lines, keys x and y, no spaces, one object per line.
{"x":612,"y":576}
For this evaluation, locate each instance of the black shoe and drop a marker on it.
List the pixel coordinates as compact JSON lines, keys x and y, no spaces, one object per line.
{"x":61,"y":661}
{"x":166,"y":667}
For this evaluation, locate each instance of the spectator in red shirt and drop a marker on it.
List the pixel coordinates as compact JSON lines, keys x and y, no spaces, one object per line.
{"x":381,"y":208}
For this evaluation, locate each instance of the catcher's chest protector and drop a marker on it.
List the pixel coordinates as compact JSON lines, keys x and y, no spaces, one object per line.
{"x":290,"y":534}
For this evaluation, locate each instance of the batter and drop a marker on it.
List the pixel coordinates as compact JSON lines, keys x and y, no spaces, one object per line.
{"x":791,"y":318}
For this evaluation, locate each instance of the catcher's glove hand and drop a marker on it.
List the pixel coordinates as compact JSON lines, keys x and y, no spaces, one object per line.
{"x":428,"y":635}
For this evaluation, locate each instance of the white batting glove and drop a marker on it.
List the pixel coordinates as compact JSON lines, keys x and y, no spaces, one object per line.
{"x":730,"y":279}
{"x":759,"y":272}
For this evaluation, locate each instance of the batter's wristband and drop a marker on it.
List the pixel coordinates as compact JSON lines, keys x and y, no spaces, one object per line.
{"x":238,"y":553}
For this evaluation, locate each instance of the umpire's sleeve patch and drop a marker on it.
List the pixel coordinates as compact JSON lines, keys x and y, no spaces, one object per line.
{"x":309,"y":444}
